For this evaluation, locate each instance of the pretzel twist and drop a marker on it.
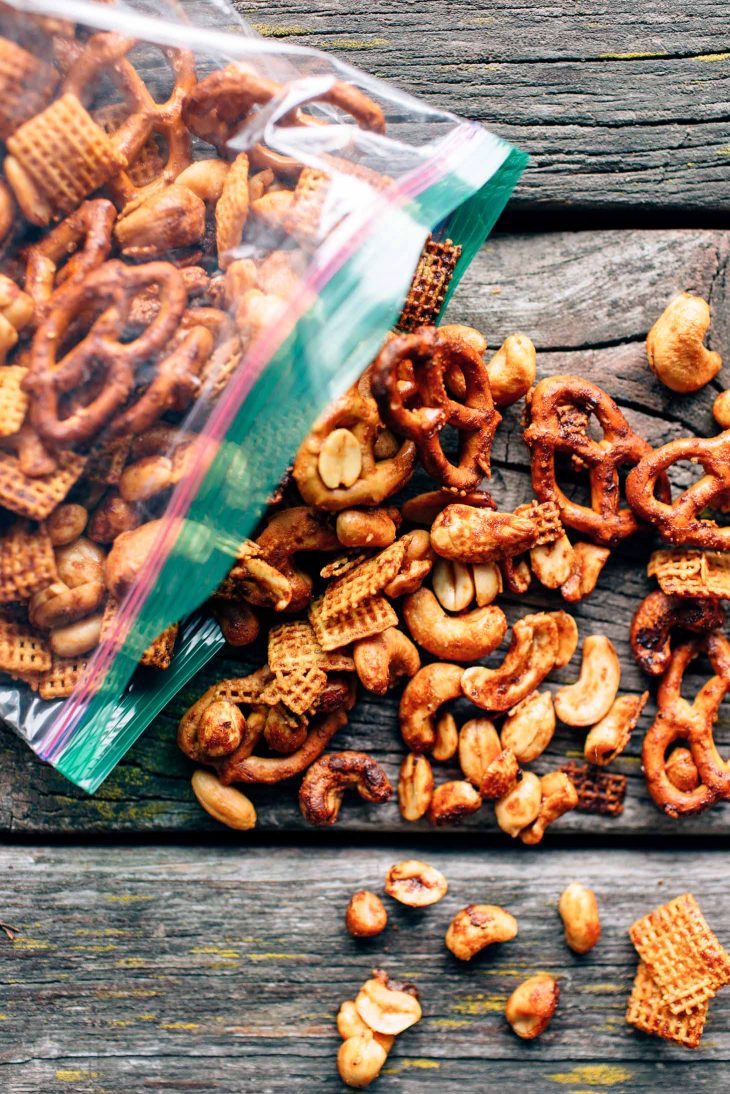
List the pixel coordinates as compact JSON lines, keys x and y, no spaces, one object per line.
{"x":85,"y":236}
{"x":221,"y":104}
{"x":678,"y":521}
{"x":108,"y":292}
{"x":105,"y":53}
{"x":553,"y":429}
{"x":690,"y":723}
{"x":411,"y":383}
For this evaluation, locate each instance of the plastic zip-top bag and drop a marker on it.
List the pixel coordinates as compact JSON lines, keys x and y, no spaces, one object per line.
{"x":206,"y":237}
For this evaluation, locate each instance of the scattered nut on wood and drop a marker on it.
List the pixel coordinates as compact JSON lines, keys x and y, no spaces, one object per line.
{"x":532,"y":1004}
{"x":578,"y":909}
{"x":415,"y":883}
{"x":365,"y":916}
{"x":478,"y":926}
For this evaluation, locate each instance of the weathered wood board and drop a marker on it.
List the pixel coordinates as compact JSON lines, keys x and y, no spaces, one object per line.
{"x":622,"y":106}
{"x":156,"y":969}
{"x":587,"y":300}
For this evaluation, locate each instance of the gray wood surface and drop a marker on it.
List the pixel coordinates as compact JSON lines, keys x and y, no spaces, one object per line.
{"x":156,"y":969}
{"x":587,"y":300}
{"x":622,"y":106}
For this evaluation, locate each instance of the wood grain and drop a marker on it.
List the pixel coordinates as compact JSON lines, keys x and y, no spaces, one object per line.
{"x":207,"y":970}
{"x":587,"y":300}
{"x":622,"y":106}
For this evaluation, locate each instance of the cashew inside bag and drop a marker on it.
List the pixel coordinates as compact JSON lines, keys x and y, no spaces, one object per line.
{"x":386,"y":170}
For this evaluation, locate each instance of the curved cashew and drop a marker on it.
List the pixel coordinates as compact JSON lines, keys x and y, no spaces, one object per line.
{"x":674,"y":346}
{"x":532,"y":1004}
{"x":416,"y":566}
{"x":129,"y":552}
{"x":516,"y":574}
{"x":466,"y":637}
{"x":415,"y":787}
{"x":382,"y":659}
{"x":424,"y":508}
{"x":78,"y":638}
{"x":552,"y":563}
{"x":588,"y":561}
{"x":324,"y":785}
{"x":224,"y":803}
{"x":520,"y":805}
{"x":171,"y":218}
{"x":57,"y":605}
{"x":367,"y":527}
{"x":270,"y":769}
{"x":558,"y":796}
{"x":529,"y":727}
{"x":589,"y":699}
{"x":478,"y":926}
{"x":609,"y":737}
{"x":286,"y":534}
{"x":430,"y":688}
{"x":567,"y":637}
{"x":651,"y":627}
{"x":529,"y":659}
{"x":512,"y":370}
{"x":467,"y":534}
{"x":453,"y":800}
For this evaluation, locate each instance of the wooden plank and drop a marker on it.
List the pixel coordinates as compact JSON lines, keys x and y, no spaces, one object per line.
{"x":622,"y":107}
{"x":207,"y":970}
{"x":587,"y":300}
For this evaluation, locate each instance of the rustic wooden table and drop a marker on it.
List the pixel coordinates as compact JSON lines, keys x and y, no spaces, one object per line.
{"x":157,"y":952}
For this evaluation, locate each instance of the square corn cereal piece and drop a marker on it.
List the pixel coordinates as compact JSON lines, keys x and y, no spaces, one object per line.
{"x":545,"y":516}
{"x":158,"y":654}
{"x":36,"y":498}
{"x":13,"y":400}
{"x":65,"y":155}
{"x":343,"y":564}
{"x":246,"y":689}
{"x":682,"y":953}
{"x":22,"y":650}
{"x":362,"y":583}
{"x":61,"y":678}
{"x":430,"y":284}
{"x":107,"y":459}
{"x":27,"y":561}
{"x":690,"y":572}
{"x":599,"y":791}
{"x":648,"y":1012}
{"x":368,"y":617}
{"x":303,"y":221}
{"x":293,"y":647}
{"x":299,"y":691}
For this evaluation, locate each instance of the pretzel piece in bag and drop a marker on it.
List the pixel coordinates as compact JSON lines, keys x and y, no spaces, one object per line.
{"x":690,"y":724}
{"x":679,"y":521}
{"x":551,"y":430}
{"x":111,"y":289}
{"x":411,"y":383}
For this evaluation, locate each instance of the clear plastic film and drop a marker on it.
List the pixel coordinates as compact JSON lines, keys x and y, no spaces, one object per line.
{"x":211,"y":235}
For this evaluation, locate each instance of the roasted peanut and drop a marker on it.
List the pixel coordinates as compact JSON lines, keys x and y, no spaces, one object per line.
{"x":415,"y":883}
{"x":145,"y":478}
{"x":529,"y":727}
{"x":447,"y":738}
{"x":532,"y":1004}
{"x":113,"y":517}
{"x":682,"y":770}
{"x":674,"y":345}
{"x":552,"y":563}
{"x":520,"y":805}
{"x":171,"y":218}
{"x":478,"y":926}
{"x":609,"y":737}
{"x":578,"y":909}
{"x":80,"y":562}
{"x":415,"y":787}
{"x":340,"y":459}
{"x":487,"y":582}
{"x":128,"y":555}
{"x":350,"y":1024}
{"x":417,"y":564}
{"x":387,"y":1006}
{"x":588,"y":561}
{"x":365,"y":527}
{"x":360,"y":1059}
{"x":76,"y":639}
{"x":224,"y":803}
{"x":558,"y":796}
{"x":221,"y":728}
{"x":66,"y":523}
{"x":721,"y":410}
{"x":453,"y":800}
{"x":57,"y":605}
{"x":453,"y":585}
{"x":479,"y":745}
{"x":590,"y":698}
{"x":365,"y":916}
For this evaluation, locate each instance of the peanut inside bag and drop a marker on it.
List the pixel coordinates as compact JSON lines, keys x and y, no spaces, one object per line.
{"x":204,"y":239}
